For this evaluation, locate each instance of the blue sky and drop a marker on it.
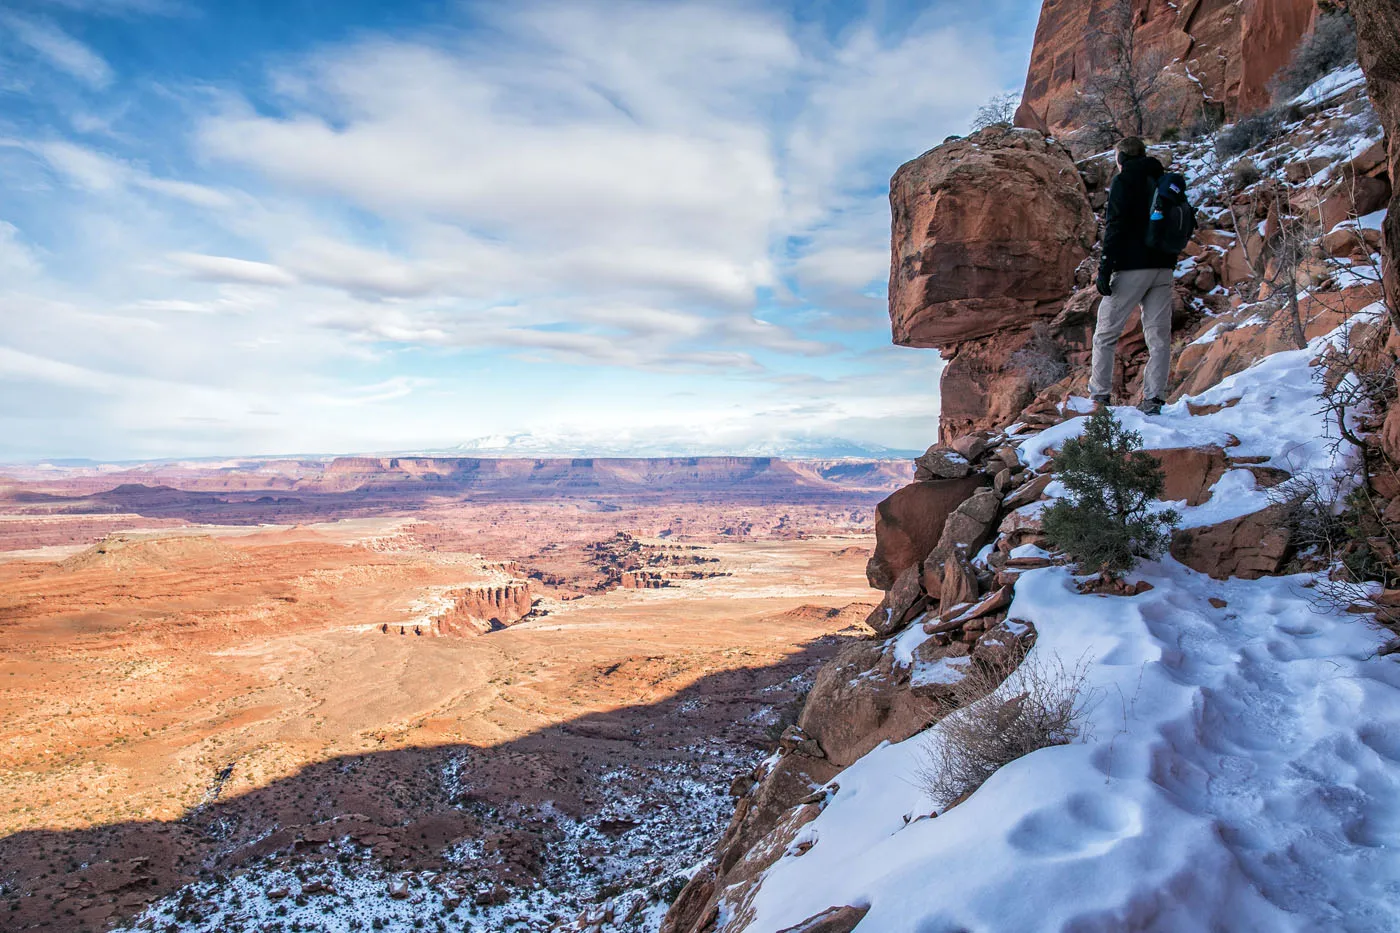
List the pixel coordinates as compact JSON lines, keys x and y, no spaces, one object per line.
{"x":267,"y":227}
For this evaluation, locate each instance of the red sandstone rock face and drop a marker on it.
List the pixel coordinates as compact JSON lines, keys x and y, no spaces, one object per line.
{"x":1377,"y":24}
{"x":908,"y":525}
{"x":1233,"y":48}
{"x":1251,"y":546}
{"x":477,"y":608}
{"x":986,"y":234}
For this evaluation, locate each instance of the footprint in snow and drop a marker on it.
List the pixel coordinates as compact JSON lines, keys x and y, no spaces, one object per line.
{"x":1087,"y":823}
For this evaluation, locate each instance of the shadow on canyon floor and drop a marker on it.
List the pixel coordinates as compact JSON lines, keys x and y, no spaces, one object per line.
{"x":409,"y":805}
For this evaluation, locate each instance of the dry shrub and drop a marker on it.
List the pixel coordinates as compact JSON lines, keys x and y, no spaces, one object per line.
{"x":1248,"y":131}
{"x":1042,"y":360}
{"x":1244,"y":173}
{"x":1000,"y":110}
{"x":991,"y":718}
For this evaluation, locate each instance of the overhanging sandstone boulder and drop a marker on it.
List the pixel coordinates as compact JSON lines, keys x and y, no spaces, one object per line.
{"x":986,"y":234}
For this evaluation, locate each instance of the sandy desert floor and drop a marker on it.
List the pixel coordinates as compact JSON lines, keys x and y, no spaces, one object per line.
{"x":170,"y":671}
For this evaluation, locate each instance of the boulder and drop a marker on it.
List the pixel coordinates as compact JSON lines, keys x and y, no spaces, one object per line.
{"x":860,"y":699}
{"x":1300,"y":171}
{"x":831,"y":920}
{"x":908,"y":524}
{"x":1353,"y":197}
{"x":959,"y":584}
{"x":903,"y":597}
{"x":986,"y":234}
{"x":1190,"y":472}
{"x":940,"y":462}
{"x":1347,"y":241}
{"x":1250,"y":547}
{"x":1029,"y":493}
{"x":970,"y":446}
{"x":972,"y":523}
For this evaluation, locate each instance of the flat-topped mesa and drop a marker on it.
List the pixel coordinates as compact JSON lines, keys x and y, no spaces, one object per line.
{"x":986,"y":236}
{"x":1219,"y":54}
{"x":479,"y":609}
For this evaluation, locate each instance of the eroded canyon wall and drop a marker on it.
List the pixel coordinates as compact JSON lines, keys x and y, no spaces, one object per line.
{"x":478,"y":609}
{"x":1219,"y":52}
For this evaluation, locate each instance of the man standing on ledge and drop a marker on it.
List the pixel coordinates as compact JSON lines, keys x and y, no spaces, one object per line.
{"x":1133,"y":273}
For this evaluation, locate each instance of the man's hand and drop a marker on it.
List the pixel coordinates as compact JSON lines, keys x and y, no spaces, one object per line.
{"x":1104,"y":282}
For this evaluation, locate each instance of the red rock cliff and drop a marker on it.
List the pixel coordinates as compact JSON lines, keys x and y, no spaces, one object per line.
{"x":478,"y":609}
{"x":1223,"y":52}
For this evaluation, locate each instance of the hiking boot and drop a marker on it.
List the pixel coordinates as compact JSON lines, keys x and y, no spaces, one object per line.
{"x":1100,"y":401}
{"x":1152,"y":406}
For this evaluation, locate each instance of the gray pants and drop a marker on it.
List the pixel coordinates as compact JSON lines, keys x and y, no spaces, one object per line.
{"x":1152,"y":288}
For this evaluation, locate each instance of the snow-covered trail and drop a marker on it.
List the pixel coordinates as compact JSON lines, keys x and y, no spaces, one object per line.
{"x":1243,"y":774}
{"x":1290,"y":748}
{"x":1241,"y":767}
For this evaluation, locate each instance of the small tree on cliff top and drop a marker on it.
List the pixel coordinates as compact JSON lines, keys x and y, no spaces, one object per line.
{"x":1106,"y":522}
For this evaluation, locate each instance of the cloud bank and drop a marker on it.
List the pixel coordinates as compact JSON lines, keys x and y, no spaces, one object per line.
{"x":584,"y":216}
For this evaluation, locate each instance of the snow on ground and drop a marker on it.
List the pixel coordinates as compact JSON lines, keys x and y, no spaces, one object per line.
{"x":630,"y":876}
{"x":1331,"y":85}
{"x":1274,"y":412}
{"x":1371,"y":221}
{"x":1241,"y":769}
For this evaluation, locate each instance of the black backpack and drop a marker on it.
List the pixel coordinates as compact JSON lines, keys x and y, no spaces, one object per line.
{"x":1171,"y":219}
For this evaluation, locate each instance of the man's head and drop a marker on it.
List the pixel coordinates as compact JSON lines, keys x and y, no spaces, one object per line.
{"x":1130,"y":147}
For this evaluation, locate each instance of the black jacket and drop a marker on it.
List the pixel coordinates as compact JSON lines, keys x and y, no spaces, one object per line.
{"x":1125,"y":219}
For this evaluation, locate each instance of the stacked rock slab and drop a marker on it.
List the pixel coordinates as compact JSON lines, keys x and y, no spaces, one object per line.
{"x":987,"y":233}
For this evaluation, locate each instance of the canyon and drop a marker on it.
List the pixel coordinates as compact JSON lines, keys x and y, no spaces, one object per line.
{"x":702,"y":695}
{"x":204,"y":666}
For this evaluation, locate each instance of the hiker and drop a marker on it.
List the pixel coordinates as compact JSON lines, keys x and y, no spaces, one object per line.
{"x":1146,"y":226}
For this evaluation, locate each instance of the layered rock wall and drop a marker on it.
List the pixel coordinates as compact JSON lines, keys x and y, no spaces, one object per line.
{"x":477,"y":609}
{"x":1219,"y":53}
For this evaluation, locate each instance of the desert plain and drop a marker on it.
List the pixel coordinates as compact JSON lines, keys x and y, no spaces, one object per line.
{"x":205,"y":667}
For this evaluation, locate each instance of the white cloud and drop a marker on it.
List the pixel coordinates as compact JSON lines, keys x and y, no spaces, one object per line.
{"x":17,"y":259}
{"x":97,"y":172}
{"x":60,"y":50}
{"x":596,"y":213}
{"x":229,"y":269}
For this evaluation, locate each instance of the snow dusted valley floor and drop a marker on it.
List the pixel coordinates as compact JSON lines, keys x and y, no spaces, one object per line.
{"x":620,"y":866}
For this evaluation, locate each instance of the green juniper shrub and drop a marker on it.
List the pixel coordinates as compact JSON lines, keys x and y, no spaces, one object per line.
{"x":1106,"y":522}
